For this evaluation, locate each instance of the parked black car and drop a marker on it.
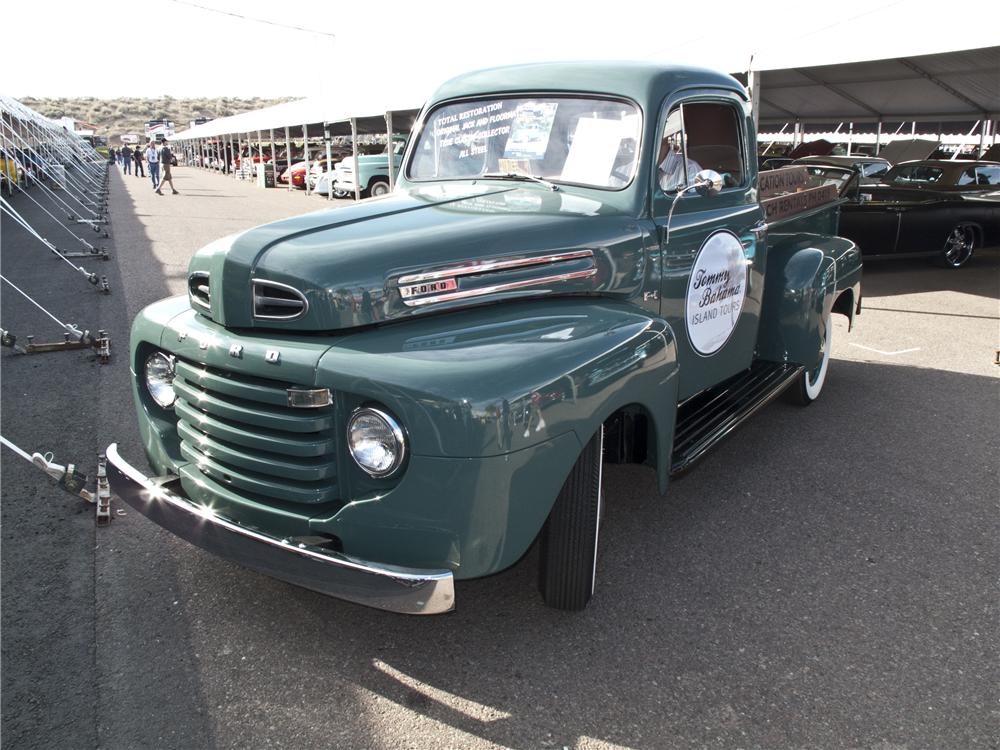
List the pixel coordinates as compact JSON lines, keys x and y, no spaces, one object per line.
{"x":940,"y":209}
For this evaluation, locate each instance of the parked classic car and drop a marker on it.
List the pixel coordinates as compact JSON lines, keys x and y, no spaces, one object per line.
{"x":374,"y":171}
{"x":940,"y":209}
{"x":376,"y":400}
{"x":870,"y":168}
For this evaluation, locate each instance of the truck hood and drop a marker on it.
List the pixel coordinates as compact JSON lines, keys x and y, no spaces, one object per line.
{"x":414,"y":252}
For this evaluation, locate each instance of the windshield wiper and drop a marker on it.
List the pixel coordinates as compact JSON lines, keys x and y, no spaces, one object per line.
{"x":519,"y":176}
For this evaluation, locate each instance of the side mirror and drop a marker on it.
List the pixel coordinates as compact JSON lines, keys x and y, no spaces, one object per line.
{"x":708,"y":182}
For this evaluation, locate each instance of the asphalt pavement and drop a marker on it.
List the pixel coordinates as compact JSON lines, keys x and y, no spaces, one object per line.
{"x":826,"y":578}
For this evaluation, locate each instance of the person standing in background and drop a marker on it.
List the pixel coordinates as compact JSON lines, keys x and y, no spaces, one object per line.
{"x":112,"y":155}
{"x":137,"y":155}
{"x":126,"y":160}
{"x":153,"y":162}
{"x":166,"y":157}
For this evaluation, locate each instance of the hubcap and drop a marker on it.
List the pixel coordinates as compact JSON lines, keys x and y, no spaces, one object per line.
{"x":958,"y":248}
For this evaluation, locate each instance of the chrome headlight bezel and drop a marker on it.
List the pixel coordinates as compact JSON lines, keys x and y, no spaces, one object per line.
{"x":392,"y":427}
{"x":160,"y":381}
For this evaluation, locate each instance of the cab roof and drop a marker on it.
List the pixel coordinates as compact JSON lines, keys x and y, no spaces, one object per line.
{"x":646,"y":83}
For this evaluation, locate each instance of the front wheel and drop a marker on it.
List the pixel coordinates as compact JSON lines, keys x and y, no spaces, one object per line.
{"x":809,"y":384}
{"x":569,"y":538}
{"x":959,"y":246}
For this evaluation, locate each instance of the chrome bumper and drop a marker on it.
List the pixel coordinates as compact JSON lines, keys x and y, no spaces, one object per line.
{"x":406,"y":590}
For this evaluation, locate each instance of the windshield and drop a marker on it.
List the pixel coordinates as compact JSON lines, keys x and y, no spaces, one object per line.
{"x":561,"y":139}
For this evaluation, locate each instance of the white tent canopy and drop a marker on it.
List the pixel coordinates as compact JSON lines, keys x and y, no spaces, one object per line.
{"x":945,"y":86}
{"x":960,"y":85}
{"x":311,"y":114}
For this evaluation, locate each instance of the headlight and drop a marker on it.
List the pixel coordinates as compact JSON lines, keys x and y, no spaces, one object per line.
{"x":376,"y":442}
{"x":160,"y":378}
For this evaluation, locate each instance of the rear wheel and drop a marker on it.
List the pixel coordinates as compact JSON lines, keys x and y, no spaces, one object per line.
{"x":809,"y":384}
{"x":569,"y":538}
{"x":959,"y":246}
{"x":377,"y":188}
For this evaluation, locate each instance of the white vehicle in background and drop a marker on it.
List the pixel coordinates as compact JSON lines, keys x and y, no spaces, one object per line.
{"x":157,"y":130}
{"x":373,"y":169}
{"x":321,"y":180}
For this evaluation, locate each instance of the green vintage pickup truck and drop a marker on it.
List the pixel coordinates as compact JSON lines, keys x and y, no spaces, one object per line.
{"x":579,"y":264}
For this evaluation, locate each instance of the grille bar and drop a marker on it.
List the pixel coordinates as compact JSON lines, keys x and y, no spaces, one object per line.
{"x":261,"y":484}
{"x":250,"y":413}
{"x":262,"y":463}
{"x":271,"y":441}
{"x":239,"y":433}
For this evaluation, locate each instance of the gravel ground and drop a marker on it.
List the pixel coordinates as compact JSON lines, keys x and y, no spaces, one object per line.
{"x":824,"y":579}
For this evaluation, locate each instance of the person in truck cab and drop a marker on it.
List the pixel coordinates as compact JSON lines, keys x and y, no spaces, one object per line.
{"x":670,"y":170}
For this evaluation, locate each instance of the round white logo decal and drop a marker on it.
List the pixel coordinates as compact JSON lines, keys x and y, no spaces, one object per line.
{"x":716,"y":291}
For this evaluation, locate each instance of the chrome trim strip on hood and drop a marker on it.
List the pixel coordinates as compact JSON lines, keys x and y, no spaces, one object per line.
{"x":412,"y":286}
{"x":509,"y":286}
{"x":499,"y":264}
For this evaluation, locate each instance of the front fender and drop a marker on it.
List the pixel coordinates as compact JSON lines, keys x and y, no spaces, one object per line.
{"x":805,"y":275}
{"x":498,"y":379}
{"x":497,"y":403}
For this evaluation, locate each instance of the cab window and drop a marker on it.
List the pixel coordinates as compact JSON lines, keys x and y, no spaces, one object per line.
{"x":698,"y":136}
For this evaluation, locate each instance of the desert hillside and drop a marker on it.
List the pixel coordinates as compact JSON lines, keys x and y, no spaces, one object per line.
{"x":113,"y":117}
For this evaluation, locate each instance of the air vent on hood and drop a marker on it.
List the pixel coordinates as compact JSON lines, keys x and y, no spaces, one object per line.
{"x":274,"y":301}
{"x":198,"y":290}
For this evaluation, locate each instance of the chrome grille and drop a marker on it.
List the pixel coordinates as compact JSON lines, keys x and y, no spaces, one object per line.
{"x":274,"y":301}
{"x":198,"y":290}
{"x":242,"y":436}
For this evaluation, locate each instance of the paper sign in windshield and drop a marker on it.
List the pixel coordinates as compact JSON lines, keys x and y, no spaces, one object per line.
{"x":529,"y":131}
{"x":592,"y":155}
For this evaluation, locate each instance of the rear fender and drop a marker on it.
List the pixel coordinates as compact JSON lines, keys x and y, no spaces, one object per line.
{"x":806,"y":274}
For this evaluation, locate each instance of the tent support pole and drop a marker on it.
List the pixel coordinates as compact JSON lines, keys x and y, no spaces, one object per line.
{"x":305,"y":156}
{"x":329,"y":156}
{"x":390,"y":150}
{"x":272,"y":157}
{"x":288,"y":157}
{"x":878,"y":137}
{"x":357,"y":171}
{"x":260,"y":151}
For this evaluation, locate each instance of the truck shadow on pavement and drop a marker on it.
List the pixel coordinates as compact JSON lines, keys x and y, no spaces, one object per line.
{"x":821,"y":574}
{"x":143,"y":681}
{"x":886,"y":278}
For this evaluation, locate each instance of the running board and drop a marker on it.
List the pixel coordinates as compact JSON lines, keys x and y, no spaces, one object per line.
{"x":707,"y":418}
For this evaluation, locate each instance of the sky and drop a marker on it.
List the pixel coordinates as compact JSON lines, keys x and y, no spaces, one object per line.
{"x":115,"y":48}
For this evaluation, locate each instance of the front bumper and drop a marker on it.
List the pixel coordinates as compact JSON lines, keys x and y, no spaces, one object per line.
{"x":389,"y":587}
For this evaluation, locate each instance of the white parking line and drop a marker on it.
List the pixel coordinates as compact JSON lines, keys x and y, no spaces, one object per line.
{"x":888,"y":354}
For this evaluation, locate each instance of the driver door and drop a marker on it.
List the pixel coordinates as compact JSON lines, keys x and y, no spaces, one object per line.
{"x":713,"y":247}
